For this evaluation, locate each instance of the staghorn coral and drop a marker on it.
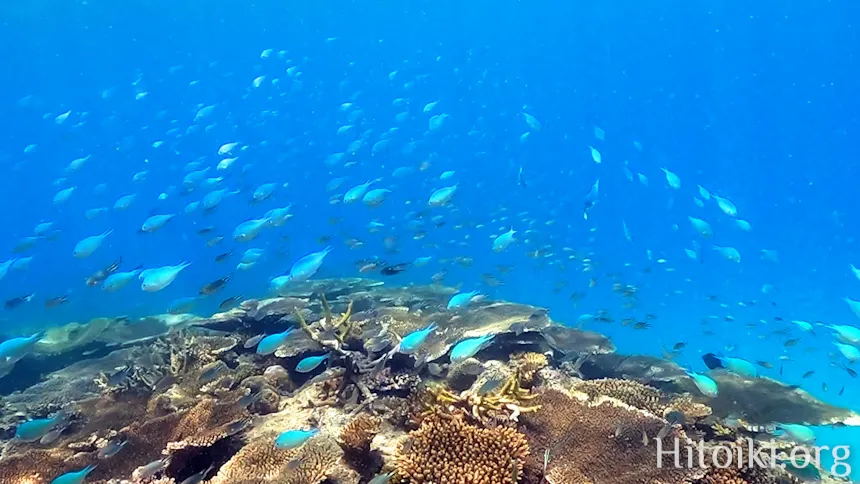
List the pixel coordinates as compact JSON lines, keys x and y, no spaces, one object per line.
{"x":528,"y":365}
{"x":643,"y":397}
{"x":447,"y":449}
{"x":508,"y":402}
{"x":600,"y":441}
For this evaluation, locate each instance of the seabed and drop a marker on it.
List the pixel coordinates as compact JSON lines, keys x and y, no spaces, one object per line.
{"x":543,"y":403}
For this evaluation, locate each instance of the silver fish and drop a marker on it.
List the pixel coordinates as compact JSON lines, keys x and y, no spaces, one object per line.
{"x":198,"y":478}
{"x":111,"y":449}
{"x":150,"y":470}
{"x":52,"y":436}
{"x":253,"y":341}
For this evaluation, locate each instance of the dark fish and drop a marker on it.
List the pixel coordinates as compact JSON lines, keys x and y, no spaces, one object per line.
{"x":764,"y":364}
{"x":118,"y":377}
{"x":394,"y":269}
{"x":249,"y":399}
{"x":99,"y":276}
{"x":214,"y":286}
{"x":851,"y":373}
{"x":230,"y":303}
{"x":17,"y":301}
{"x":212,"y":371}
{"x":56,"y":301}
{"x":808,"y":374}
{"x":791,"y":342}
{"x":206,"y":230}
{"x":223,"y":257}
{"x":679,"y":346}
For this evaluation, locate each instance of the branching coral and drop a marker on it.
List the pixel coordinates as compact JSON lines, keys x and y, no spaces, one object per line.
{"x":330,"y":334}
{"x":507,"y":401}
{"x":600,"y":441}
{"x":643,"y":397}
{"x":529,"y":364}
{"x":447,"y":449}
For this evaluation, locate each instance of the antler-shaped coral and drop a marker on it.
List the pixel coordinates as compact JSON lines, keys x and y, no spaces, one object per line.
{"x":331,"y":335}
{"x":508,"y":398}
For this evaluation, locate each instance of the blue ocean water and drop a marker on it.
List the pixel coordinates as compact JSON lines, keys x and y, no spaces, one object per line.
{"x":755,"y":102}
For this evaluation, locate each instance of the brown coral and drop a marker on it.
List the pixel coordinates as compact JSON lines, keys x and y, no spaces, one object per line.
{"x":600,"y":441}
{"x":260,"y":462}
{"x":206,"y":423}
{"x":643,"y":397}
{"x":358,"y":434}
{"x":446,"y":449}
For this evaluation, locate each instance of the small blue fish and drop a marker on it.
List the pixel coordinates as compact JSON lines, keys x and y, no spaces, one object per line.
{"x":461,"y":300}
{"x":442,"y":196}
{"x":14,"y":349}
{"x":415,"y":339}
{"x":738,"y":366}
{"x":797,"y":432}
{"x":271,"y":343}
{"x":74,"y":477}
{"x":35,"y":429}
{"x":375,"y":197}
{"x":422,"y":261}
{"x":469,"y":347}
{"x":356,"y":193}
{"x":310,"y":363}
{"x":158,"y":278}
{"x":118,"y":280}
{"x":88,"y":245}
{"x":308,"y":265}
{"x":852,"y":353}
{"x":847,"y":334}
{"x":503,"y":241}
{"x":704,"y":383}
{"x":294,"y":438}
{"x":381,"y":478}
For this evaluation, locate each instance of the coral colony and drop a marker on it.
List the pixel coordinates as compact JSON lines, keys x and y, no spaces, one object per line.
{"x":351,"y":382}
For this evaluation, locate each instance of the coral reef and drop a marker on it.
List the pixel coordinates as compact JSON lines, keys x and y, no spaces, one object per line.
{"x":542,"y":403}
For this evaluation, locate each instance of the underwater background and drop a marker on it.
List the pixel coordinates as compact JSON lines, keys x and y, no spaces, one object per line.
{"x":755,"y":102}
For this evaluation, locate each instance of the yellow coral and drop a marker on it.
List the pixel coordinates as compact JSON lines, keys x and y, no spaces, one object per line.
{"x":507,"y":401}
{"x":446,"y":449}
{"x":529,"y":364}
